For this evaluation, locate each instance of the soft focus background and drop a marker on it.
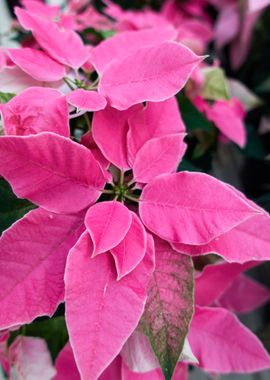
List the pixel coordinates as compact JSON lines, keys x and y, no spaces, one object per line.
{"x":248,"y":169}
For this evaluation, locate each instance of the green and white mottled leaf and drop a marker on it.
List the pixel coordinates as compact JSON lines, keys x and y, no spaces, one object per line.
{"x":215,"y":84}
{"x":248,"y":98}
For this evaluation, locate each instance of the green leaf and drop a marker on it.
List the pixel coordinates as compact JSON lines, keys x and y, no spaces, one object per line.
{"x":98,"y":34}
{"x":206,"y":142}
{"x":254,"y":147}
{"x":169,"y":306}
{"x":246,"y":96}
{"x":264,"y":87}
{"x":186,"y":165}
{"x":193,"y":118}
{"x":11,"y":208}
{"x":199,"y":151}
{"x":215,"y":84}
{"x":264,"y":201}
{"x":53,"y":330}
{"x":6,"y":96}
{"x":106,"y":33}
{"x":264,"y":336}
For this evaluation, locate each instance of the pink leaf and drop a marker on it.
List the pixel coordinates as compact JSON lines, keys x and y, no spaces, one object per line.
{"x":256,"y":5}
{"x":111,"y":309}
{"x":227,"y":25}
{"x":30,"y":359}
{"x":158,"y":156}
{"x":33,"y":254}
{"x":195,"y":34}
{"x":228,"y":118}
{"x":113,"y":371}
{"x":14,"y":80}
{"x":191,"y":208}
{"x":41,"y":9}
{"x":37,"y":64}
{"x":36,"y":110}
{"x":155,"y":120}
{"x":244,"y":295}
{"x":88,"y":141}
{"x":139,"y":357}
{"x":64,"y":45}
{"x":4,"y":360}
{"x":110,"y":128}
{"x":181,"y":373}
{"x":240,"y":46}
{"x":107,"y":223}
{"x":246,"y":242}
{"x":223,"y":345}
{"x":138,"y":354}
{"x":134,"y":19}
{"x":134,"y":78}
{"x":124,"y":43}
{"x":39,"y":169}
{"x":222,"y":275}
{"x":131,"y":250}
{"x":127,"y":374}
{"x":86,"y":100}
{"x":168,"y":312}
{"x":3,"y":59}
{"x":65,"y":365}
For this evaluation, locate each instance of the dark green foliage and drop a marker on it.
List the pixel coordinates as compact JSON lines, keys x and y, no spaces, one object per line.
{"x":5,"y":97}
{"x":11,"y":208}
{"x":53,"y":330}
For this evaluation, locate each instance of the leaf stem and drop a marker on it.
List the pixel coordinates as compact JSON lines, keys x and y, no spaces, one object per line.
{"x":122,"y":177}
{"x":66,"y":80}
{"x":131,"y":183}
{"x":94,"y":84}
{"x":76,"y":71}
{"x":86,"y":118}
{"x":106,"y":191}
{"x":131,"y":198}
{"x":77,"y":114}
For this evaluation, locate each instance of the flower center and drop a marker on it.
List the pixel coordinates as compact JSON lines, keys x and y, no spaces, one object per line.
{"x":122,"y":189}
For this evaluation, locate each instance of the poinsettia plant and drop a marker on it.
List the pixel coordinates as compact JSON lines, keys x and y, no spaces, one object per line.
{"x":133,"y":265}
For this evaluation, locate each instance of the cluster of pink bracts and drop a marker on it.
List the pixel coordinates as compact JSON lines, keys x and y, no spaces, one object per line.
{"x":116,"y":226}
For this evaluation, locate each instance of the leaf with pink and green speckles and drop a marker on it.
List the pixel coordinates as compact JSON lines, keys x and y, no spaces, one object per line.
{"x":169,"y":307}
